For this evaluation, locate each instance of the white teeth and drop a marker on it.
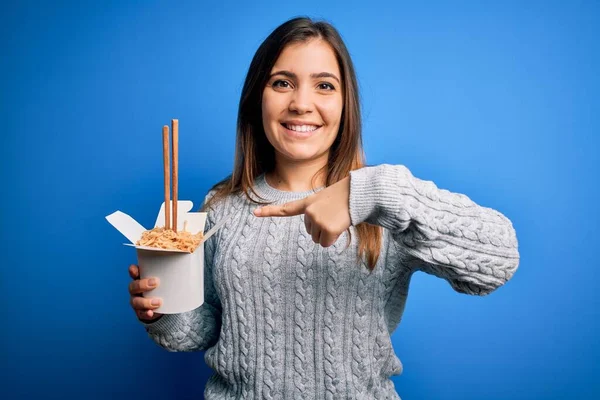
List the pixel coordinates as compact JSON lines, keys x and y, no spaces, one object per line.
{"x":301,"y":128}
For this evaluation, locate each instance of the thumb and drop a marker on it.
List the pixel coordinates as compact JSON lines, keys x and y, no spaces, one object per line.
{"x":284,"y":210}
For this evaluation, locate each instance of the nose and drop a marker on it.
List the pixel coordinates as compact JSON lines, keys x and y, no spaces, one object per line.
{"x":301,"y":101}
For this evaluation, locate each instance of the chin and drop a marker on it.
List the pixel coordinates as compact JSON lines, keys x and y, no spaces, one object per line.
{"x":301,"y":154}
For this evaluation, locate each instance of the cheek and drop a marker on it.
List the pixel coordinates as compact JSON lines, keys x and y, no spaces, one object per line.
{"x":270,"y":110}
{"x":332,"y":111}
{"x":267,"y":117}
{"x":264,"y":108}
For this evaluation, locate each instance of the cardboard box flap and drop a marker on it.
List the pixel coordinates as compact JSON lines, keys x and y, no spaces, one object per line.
{"x":128,"y":226}
{"x":132,"y":230}
{"x":195,"y":220}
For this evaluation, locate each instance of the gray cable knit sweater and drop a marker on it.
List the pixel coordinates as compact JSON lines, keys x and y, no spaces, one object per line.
{"x":285,"y":318}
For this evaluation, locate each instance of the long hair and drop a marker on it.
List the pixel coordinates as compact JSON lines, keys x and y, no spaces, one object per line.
{"x":254,"y":155}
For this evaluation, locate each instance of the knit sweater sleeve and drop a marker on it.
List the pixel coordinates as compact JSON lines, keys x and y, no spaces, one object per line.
{"x":197,"y":329}
{"x":446,"y":234}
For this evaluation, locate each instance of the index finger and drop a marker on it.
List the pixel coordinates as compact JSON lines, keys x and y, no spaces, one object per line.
{"x":284,"y":210}
{"x":134,"y":271}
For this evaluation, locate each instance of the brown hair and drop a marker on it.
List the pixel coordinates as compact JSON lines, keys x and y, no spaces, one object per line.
{"x":254,"y":155}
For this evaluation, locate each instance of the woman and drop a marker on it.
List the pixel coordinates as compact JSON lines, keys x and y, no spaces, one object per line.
{"x":308,"y":279}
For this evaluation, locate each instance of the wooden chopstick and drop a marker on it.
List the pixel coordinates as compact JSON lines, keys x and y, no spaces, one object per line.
{"x":175,"y":157}
{"x":167,"y":173}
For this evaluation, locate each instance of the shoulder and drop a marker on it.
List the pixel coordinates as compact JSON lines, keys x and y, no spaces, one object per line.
{"x":208,"y":197}
{"x":217,"y":203}
{"x":216,"y":195}
{"x":215,"y":200}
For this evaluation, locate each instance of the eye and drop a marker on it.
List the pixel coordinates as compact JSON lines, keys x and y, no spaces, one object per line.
{"x":281,"y":84}
{"x":325,"y":86}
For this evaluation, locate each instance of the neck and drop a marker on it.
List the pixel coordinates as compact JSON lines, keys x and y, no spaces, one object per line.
{"x":297,"y":176}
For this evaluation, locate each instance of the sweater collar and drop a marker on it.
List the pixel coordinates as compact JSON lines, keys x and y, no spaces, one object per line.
{"x":270,"y":194}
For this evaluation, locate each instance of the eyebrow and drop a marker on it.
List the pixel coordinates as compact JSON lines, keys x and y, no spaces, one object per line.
{"x":314,"y":76}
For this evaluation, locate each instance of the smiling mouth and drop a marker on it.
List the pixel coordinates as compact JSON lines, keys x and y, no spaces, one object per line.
{"x":300,"y":128}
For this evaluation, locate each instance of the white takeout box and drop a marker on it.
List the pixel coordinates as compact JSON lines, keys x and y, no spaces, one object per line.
{"x":181,"y":273}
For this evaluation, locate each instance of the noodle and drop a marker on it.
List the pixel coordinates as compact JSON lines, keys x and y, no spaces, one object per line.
{"x":168,"y":239}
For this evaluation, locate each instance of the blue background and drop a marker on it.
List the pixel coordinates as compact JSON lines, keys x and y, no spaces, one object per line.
{"x":497,"y":101}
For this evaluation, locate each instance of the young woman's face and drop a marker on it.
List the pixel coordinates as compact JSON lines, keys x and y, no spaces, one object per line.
{"x":302,"y":102}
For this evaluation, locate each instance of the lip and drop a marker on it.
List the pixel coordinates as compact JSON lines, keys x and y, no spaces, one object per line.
{"x":299,"y":122}
{"x":299,"y":135}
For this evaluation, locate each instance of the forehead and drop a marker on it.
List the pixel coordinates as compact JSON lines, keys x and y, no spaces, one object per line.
{"x":313,"y":56}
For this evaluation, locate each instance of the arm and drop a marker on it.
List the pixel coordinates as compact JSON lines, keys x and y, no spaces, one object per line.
{"x":197,"y":329}
{"x":473,"y":247}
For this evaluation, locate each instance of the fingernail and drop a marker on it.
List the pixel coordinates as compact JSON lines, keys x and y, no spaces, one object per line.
{"x":257,"y":212}
{"x":152,"y":282}
{"x":155,"y":302}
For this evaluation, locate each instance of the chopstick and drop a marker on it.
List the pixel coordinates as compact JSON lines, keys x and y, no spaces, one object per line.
{"x":167,"y":173}
{"x":175,"y":157}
